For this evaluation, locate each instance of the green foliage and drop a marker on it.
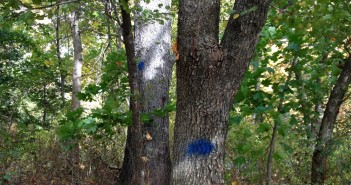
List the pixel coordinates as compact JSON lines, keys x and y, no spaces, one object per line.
{"x":309,"y":33}
{"x":312,"y":35}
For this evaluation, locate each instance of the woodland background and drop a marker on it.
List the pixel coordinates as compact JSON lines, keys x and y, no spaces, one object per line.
{"x":301,"y":52}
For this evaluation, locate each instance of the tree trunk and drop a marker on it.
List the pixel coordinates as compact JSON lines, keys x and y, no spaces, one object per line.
{"x":208,"y":76}
{"x":133,"y":169}
{"x":269,"y":180}
{"x":76,"y":88}
{"x":78,"y":60}
{"x":153,"y":42}
{"x":152,"y":47}
{"x":324,"y":139}
{"x":58,"y":54}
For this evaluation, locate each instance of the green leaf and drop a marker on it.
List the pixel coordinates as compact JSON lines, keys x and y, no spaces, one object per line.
{"x":266,"y":82}
{"x":270,"y":70}
{"x":260,"y":109}
{"x":293,"y":121}
{"x":146,"y":118}
{"x":235,"y":120}
{"x":287,"y":148}
{"x":247,"y":132}
{"x":248,"y":10}
{"x":278,"y":156}
{"x":263,"y":127}
{"x":239,"y":160}
{"x":89,"y":126}
{"x":258,"y":96}
{"x":327,"y":17}
{"x":170,"y":107}
{"x":37,"y":2}
{"x":230,"y":11}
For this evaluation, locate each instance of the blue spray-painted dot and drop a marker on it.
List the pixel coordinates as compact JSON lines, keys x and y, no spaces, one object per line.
{"x":200,"y":147}
{"x":141,"y":65}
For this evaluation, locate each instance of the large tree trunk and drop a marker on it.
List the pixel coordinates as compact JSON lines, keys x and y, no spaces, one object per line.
{"x":152,"y":47}
{"x":324,"y":139}
{"x":208,"y":76}
{"x":76,"y":87}
{"x":153,"y":42}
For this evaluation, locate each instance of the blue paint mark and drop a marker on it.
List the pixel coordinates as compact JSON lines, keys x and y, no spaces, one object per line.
{"x":200,"y":147}
{"x":141,"y":65}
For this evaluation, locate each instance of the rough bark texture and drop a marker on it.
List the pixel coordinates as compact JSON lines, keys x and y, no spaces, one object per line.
{"x":152,"y":47}
{"x":208,"y":76}
{"x":133,"y":166}
{"x":76,"y":88}
{"x":152,"y":44}
{"x":324,"y":139}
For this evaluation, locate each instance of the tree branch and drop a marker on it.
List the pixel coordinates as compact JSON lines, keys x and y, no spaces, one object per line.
{"x":47,"y":6}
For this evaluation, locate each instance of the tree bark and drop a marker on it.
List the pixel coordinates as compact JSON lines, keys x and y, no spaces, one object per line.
{"x":76,"y":88}
{"x":152,"y":43}
{"x":78,"y":59}
{"x":133,"y":169}
{"x":325,"y":135}
{"x":152,"y":47}
{"x":208,"y":76}
{"x":58,"y":54}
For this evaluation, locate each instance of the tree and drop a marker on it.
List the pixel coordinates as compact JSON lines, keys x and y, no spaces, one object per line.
{"x":58,"y":54}
{"x":208,"y":76}
{"x":78,"y":60}
{"x":152,"y":49}
{"x":133,"y":165}
{"x":76,"y":86}
{"x":324,"y":139}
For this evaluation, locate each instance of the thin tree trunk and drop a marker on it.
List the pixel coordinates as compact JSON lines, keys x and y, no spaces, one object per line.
{"x":324,"y":139}
{"x":208,"y":76}
{"x":58,"y":54}
{"x":76,"y":88}
{"x":315,"y":122}
{"x":275,"y":130}
{"x":78,"y":60}
{"x":133,"y":169}
{"x":108,"y":20}
{"x":117,"y":30}
{"x":45,"y":103}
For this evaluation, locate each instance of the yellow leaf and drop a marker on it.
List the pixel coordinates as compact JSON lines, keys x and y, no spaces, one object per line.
{"x":236,"y":16}
{"x":303,"y":3}
{"x":48,"y":63}
{"x":234,"y":183}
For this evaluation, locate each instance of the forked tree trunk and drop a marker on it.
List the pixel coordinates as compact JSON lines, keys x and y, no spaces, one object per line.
{"x":209,"y":74}
{"x":152,"y":47}
{"x":325,"y":135}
